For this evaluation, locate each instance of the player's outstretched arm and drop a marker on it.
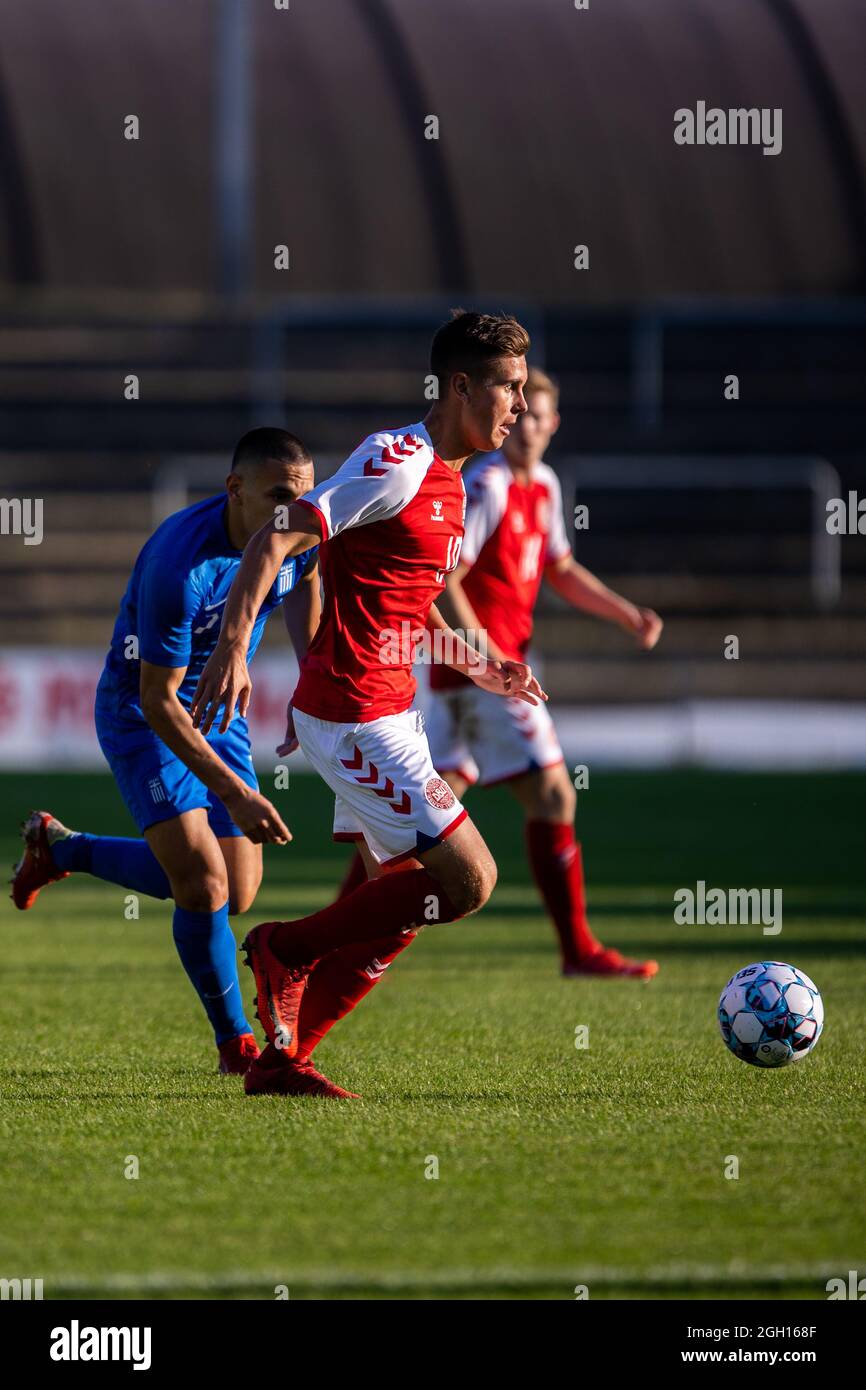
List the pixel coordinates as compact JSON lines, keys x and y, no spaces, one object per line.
{"x":583,"y":590}
{"x":456,"y":609}
{"x":251,"y":812}
{"x":509,"y":678}
{"x":302,"y":610}
{"x":513,"y":679}
{"x":225,"y":680}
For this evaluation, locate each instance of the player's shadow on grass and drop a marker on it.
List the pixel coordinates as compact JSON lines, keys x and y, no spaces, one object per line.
{"x":780,"y":947}
{"x":494,"y":1099}
{"x":83,"y":972}
{"x":480,"y":956}
{"x":46,"y":1087}
{"x":763,"y":948}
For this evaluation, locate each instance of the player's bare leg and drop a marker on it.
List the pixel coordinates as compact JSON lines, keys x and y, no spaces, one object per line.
{"x":549,"y":803}
{"x":546,"y":794}
{"x":371,"y":864}
{"x":243,"y":861}
{"x":464,"y":867}
{"x":192,"y":857}
{"x":361,"y":866}
{"x":459,"y":785}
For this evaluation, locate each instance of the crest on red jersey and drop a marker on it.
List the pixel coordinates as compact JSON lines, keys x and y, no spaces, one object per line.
{"x":438,"y":793}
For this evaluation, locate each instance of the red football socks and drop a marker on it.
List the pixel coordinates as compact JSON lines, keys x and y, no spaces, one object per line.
{"x":341,"y":981}
{"x":381,"y":907}
{"x":356,"y":874}
{"x":557,"y":866}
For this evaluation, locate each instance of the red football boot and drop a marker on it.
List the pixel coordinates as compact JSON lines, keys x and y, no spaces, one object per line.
{"x":609,"y":962}
{"x":237,"y":1054}
{"x":279,"y":989}
{"x":35,"y":869}
{"x":292,"y":1079}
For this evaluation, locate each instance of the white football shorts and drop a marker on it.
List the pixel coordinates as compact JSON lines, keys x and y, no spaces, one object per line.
{"x":487,"y":738}
{"x":386,"y":789}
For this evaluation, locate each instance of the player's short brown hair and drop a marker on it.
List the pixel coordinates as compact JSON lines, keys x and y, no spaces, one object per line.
{"x":537,"y":380}
{"x":468,"y":341}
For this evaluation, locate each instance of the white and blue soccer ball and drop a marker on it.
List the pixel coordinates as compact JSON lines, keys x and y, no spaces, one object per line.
{"x":770,"y":1014}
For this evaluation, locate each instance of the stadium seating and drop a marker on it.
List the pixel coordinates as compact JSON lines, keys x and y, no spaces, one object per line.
{"x":713,"y":561}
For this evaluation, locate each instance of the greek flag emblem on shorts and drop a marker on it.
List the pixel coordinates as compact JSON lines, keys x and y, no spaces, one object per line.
{"x":284,"y":580}
{"x":156,"y":789}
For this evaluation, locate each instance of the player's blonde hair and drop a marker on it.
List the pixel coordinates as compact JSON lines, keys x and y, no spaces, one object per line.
{"x":537,"y":380}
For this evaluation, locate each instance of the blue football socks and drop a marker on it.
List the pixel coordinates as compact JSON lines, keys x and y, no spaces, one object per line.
{"x":204,"y":940}
{"x":130,"y":863}
{"x":206,"y":946}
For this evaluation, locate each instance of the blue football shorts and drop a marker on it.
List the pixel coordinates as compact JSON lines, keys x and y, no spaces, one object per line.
{"x":157,"y":786}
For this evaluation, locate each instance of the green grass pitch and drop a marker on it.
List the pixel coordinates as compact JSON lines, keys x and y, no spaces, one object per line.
{"x":557,"y":1167}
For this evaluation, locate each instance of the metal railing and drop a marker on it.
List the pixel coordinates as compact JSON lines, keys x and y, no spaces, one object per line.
{"x":815,"y":476}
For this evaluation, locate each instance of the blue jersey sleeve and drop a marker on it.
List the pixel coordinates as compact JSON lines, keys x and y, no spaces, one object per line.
{"x":309,"y":561}
{"x":167,"y":603}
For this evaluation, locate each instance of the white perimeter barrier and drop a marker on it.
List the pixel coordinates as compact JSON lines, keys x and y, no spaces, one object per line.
{"x":46,"y":721}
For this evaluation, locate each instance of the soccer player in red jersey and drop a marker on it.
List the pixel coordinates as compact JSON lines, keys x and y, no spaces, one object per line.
{"x":390,"y":523}
{"x":514,"y":538}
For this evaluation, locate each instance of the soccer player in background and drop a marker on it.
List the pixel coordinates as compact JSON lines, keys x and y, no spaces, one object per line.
{"x":391,"y":522}
{"x":515,"y":537}
{"x":195,"y":799}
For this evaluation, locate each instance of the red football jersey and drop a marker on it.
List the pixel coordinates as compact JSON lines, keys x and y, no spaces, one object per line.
{"x":512,"y":531}
{"x":392,"y":519}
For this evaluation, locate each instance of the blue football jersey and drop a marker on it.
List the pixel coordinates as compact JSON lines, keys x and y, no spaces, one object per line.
{"x":170,"y":614}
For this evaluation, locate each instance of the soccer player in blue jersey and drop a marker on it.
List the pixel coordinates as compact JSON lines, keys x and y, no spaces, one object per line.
{"x":194,"y":797}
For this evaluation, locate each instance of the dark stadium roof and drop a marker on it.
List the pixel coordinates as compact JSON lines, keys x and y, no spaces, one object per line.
{"x":556,"y":128}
